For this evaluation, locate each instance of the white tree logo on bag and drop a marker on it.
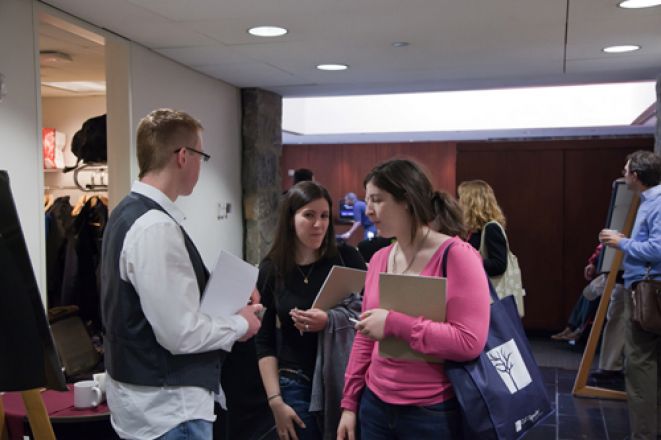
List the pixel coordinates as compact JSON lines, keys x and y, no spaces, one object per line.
{"x":507,"y":361}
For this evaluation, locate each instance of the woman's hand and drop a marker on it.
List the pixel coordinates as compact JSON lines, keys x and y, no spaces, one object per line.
{"x":346,"y":430}
{"x":311,"y":320}
{"x":285,"y":417}
{"x":255,"y":297}
{"x":372,"y":323}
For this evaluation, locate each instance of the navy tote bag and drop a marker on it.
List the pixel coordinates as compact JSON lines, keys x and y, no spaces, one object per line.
{"x":501,"y":393}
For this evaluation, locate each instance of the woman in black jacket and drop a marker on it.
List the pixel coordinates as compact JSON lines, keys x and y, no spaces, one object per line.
{"x":302,"y":254}
{"x":486,"y":224}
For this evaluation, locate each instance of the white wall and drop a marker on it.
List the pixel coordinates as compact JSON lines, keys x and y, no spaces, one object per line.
{"x":20,"y":152}
{"x":146,"y":81}
{"x":157,"y":82}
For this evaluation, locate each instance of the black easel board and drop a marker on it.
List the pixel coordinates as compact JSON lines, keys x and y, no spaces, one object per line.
{"x":621,"y":198}
{"x":27,"y":354}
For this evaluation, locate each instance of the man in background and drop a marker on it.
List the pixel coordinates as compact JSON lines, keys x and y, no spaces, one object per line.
{"x":162,"y":355}
{"x":359,"y":218}
{"x":302,"y":175}
{"x":642,"y":254}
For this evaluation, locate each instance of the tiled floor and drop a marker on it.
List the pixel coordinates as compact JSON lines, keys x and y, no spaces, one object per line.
{"x":580,"y":418}
{"x":575,"y":418}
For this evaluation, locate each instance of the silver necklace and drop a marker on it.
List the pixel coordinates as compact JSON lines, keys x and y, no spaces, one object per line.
{"x":306,"y":278}
{"x":394,"y":260}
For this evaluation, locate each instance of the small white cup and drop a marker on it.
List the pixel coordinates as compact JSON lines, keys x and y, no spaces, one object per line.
{"x":86,"y":394}
{"x":100,"y":379}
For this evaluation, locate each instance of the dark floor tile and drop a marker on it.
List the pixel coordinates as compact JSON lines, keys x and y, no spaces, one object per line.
{"x":577,"y":418}
{"x":550,"y":419}
{"x":542,"y":432}
{"x":566,"y":374}
{"x":579,"y":428}
{"x":551,"y":389}
{"x":549,"y":375}
{"x":565,"y":384}
{"x":617,"y":435}
{"x":616,"y":417}
{"x":611,"y":404}
{"x":580,"y":407}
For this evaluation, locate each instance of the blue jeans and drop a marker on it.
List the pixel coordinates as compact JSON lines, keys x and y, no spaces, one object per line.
{"x":296,"y":393}
{"x":197,"y":429}
{"x":384,"y":421}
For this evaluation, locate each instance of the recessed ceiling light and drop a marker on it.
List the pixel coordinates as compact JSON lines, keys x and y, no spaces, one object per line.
{"x":621,"y":49}
{"x":267,"y":31}
{"x":400,"y":44}
{"x":332,"y":67}
{"x":78,"y":86}
{"x":635,"y":4}
{"x":53,"y":57}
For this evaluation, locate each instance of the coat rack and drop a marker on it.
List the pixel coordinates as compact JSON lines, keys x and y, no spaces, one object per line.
{"x":98,"y":181}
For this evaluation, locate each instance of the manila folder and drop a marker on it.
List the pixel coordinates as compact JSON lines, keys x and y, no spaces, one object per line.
{"x":340,"y":282}
{"x":413,"y":295}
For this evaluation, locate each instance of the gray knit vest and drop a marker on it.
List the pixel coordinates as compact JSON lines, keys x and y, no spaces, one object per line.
{"x":132,"y":354}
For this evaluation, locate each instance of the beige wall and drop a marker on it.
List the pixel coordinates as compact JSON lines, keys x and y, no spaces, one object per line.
{"x":20,"y":152}
{"x":140,"y":80}
{"x":157,"y":82}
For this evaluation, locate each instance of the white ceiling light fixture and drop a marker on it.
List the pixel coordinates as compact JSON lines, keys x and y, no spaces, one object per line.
{"x":77,"y":86}
{"x":621,"y":48}
{"x":637,"y":4}
{"x":332,"y":67}
{"x":267,"y":31}
{"x":400,"y":44}
{"x":54,"y":57}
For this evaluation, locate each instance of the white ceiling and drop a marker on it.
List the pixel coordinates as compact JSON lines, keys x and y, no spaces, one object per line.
{"x":86,"y":50}
{"x":454,"y":45}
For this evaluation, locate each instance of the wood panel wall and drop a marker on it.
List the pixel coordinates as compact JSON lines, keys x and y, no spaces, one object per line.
{"x":554,"y":193}
{"x":341,"y":168}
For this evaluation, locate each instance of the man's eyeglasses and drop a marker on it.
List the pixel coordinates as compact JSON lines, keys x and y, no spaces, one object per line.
{"x":205,"y":156}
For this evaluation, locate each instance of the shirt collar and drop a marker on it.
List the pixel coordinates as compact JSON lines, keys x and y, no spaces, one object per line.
{"x":157,"y":195}
{"x":651,"y":193}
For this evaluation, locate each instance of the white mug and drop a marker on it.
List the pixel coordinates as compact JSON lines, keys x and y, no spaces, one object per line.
{"x":86,"y":394}
{"x":100,"y":379}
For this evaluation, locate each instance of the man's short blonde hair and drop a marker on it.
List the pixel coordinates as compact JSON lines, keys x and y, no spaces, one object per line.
{"x":160,"y":134}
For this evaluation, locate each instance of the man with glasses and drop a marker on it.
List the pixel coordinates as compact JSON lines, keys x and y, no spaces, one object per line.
{"x":162,"y":355}
{"x":642,"y":251}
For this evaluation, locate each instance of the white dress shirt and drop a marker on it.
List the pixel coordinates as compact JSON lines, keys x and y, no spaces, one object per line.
{"x":155,"y":261}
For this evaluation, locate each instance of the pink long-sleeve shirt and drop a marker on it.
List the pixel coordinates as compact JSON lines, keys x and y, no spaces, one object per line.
{"x":460,"y":338}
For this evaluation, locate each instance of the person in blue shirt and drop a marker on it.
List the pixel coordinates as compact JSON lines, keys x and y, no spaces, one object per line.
{"x":642,"y":173}
{"x":359,"y":218}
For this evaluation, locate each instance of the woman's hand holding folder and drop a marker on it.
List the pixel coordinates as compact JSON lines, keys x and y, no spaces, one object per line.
{"x":372,"y":323}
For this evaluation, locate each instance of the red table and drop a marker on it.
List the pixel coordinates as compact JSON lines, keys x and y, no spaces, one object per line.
{"x":59,"y":405}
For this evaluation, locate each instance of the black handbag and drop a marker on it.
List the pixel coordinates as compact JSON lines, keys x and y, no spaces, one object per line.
{"x":646,"y":308}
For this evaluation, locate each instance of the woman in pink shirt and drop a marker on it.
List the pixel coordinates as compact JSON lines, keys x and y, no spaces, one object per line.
{"x":401,"y":399}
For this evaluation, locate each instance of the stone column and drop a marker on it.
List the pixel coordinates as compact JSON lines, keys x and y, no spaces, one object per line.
{"x":657,"y":136}
{"x":261,"y":128}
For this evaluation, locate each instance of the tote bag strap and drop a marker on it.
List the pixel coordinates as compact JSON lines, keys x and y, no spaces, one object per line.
{"x":484,"y":228}
{"x":444,"y":261}
{"x":444,"y":273}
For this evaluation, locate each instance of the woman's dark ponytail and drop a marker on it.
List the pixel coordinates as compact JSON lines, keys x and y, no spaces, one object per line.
{"x":449,"y":218}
